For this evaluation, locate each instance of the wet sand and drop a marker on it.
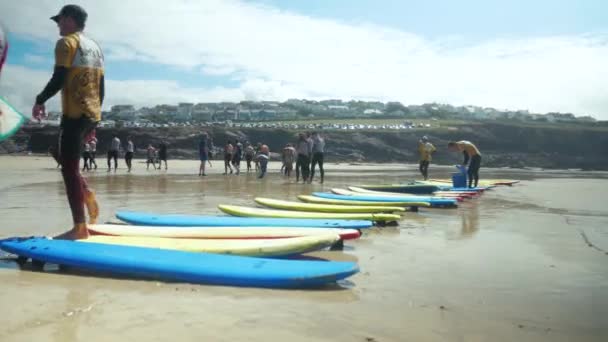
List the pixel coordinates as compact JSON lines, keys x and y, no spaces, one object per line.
{"x":514,"y":265}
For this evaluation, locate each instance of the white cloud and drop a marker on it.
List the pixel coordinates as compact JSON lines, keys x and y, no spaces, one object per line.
{"x":20,"y":85}
{"x":36,"y":59}
{"x":277,"y":54}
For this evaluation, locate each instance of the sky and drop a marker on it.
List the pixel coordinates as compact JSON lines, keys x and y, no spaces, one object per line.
{"x":536,"y":55}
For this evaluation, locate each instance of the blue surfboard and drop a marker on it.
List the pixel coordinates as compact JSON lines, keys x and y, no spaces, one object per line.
{"x":378,"y":198}
{"x":410,"y":188}
{"x":451,"y":188}
{"x":200,"y":268}
{"x":145,"y":219}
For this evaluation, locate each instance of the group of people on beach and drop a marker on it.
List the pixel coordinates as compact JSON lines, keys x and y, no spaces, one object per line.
{"x":233,"y":154}
{"x":472,"y":158}
{"x":306,"y":153}
{"x":155,"y":154}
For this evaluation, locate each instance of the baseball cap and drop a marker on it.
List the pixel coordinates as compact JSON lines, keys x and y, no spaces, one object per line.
{"x":73,"y":11}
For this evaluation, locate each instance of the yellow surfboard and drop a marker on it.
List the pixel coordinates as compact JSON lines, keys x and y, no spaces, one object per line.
{"x":257,"y":212}
{"x":327,"y":208}
{"x":259,"y":247}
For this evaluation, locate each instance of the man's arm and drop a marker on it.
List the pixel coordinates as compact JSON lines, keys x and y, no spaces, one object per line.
{"x":53,"y":86}
{"x":64,"y":53}
{"x":102,"y":89}
{"x":466,"y":158}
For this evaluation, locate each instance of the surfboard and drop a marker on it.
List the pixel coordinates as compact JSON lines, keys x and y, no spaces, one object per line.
{"x":432,"y":200}
{"x":10,"y":120}
{"x":146,"y":219}
{"x":436,"y":195}
{"x":418,"y":189}
{"x":254,"y":247}
{"x":257,"y":212}
{"x":483,"y":182}
{"x":220,"y":232}
{"x":203,"y":268}
{"x":435,"y":203}
{"x":327,"y":208}
{"x":412,"y":188}
{"x":313,"y":199}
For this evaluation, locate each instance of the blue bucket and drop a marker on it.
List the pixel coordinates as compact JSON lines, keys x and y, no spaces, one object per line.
{"x":459,"y":180}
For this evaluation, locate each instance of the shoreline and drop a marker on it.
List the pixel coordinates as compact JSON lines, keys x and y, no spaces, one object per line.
{"x":389,"y":165}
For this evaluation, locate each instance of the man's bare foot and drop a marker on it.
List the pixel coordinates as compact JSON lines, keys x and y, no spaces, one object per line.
{"x":79,"y":232}
{"x":92,"y":206}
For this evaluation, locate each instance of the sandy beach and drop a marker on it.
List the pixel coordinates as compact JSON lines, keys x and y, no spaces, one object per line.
{"x":513,"y":265}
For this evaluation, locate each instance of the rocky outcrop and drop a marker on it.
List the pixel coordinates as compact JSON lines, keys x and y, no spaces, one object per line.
{"x":502,"y":145}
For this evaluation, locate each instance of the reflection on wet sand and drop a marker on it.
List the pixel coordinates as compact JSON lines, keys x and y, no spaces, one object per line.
{"x":78,"y":304}
{"x":470,"y":220}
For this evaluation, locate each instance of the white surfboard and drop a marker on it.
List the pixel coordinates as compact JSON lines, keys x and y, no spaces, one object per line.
{"x":10,"y":120}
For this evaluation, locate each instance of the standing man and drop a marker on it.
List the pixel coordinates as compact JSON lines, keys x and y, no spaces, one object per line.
{"x":228,"y":151}
{"x":318,"y":151}
{"x":162,"y":154}
{"x":425,"y":149}
{"x":93,"y":149}
{"x":237,"y":156}
{"x":86,"y":156}
{"x":203,"y":153}
{"x":471,"y":156}
{"x":303,"y":149}
{"x":79,"y":75}
{"x":263,"y":157}
{"x":249,"y":153}
{"x":129,"y":153}
{"x":289,"y":156}
{"x":151,"y":151}
{"x":113,"y":152}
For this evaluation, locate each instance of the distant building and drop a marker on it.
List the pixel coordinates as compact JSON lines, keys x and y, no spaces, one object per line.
{"x":537,"y":117}
{"x":372,"y":112}
{"x":286,"y":114}
{"x":586,"y":119}
{"x":271,"y":104}
{"x":264,"y":114}
{"x":202,"y":113}
{"x":184,"y":111}
{"x":123,"y":112}
{"x":559,"y":117}
{"x":331,"y":102}
{"x":337,"y":107}
{"x":243,"y":114}
{"x":375,"y":105}
{"x":122,"y":108}
{"x":295,"y":102}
